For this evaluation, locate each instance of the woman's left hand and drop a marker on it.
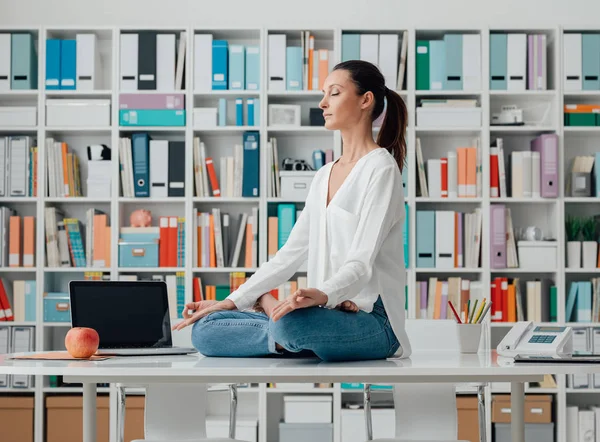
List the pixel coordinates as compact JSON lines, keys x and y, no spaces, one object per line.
{"x":301,"y":298}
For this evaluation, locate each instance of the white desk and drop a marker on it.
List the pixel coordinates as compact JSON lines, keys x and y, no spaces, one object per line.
{"x":420,"y":367}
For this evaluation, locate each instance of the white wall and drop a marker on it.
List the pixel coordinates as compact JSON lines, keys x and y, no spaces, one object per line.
{"x":299,"y":13}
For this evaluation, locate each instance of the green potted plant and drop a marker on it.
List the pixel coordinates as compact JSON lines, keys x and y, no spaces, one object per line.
{"x":573,"y":231}
{"x":589,"y":250}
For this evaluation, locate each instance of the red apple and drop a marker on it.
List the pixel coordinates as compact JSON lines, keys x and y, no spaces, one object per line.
{"x":82,"y":342}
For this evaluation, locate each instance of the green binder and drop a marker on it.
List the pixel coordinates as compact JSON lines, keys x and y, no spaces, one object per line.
{"x":422,"y":65}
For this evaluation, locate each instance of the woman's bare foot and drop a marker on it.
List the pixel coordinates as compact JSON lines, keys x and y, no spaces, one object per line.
{"x":266,"y":303}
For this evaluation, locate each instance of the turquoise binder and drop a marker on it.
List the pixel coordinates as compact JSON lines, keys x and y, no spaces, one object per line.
{"x":437,"y":64}
{"x":286,"y":214}
{"x":222,"y":112}
{"x":53,"y":46}
{"x":251,"y":162}
{"x":237,"y":67}
{"x":498,"y":56}
{"x":422,"y":65}
{"x":68,"y":64}
{"x":350,"y":47}
{"x":293,"y":68}
{"x":252,"y":68}
{"x":152,"y":117}
{"x":590,"y":53}
{"x":250,"y":111}
{"x":584,"y":302}
{"x":220,"y":50}
{"x":30,"y":300}
{"x":453,"y":80}
{"x":425,"y":223}
{"x":23,"y":61}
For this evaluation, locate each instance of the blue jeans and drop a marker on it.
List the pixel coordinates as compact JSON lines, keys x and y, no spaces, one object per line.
{"x":331,"y":335}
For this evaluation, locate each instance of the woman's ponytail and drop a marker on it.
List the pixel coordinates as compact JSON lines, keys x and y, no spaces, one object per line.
{"x":392,"y":134}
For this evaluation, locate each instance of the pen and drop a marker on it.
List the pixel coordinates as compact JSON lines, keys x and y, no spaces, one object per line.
{"x":472,"y":315}
{"x":481,"y":316}
{"x":478,"y":314}
{"x":468,"y":310}
{"x":454,"y":311}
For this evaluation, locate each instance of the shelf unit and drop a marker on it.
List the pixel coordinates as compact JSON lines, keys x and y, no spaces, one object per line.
{"x":298,"y":142}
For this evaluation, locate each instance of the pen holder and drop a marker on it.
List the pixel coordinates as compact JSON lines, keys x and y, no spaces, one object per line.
{"x":469,"y":336}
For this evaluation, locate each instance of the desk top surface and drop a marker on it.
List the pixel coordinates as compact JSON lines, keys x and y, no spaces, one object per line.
{"x":425,"y":366}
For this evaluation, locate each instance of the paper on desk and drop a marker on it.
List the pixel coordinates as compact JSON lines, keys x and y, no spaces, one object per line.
{"x":58,"y":356}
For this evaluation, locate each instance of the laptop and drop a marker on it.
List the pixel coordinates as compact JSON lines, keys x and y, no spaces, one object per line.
{"x":131,"y":317}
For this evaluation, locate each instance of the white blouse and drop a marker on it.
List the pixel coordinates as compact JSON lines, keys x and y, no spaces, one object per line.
{"x":354,"y":245}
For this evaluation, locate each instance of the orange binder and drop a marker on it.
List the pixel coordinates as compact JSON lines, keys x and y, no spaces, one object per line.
{"x":212,"y":175}
{"x":172,"y":250}
{"x":28,"y":241}
{"x":107,"y":248}
{"x":14,"y":250}
{"x":323,"y":66}
{"x":98,"y":259}
{"x":471,"y":172}
{"x":461,"y":155}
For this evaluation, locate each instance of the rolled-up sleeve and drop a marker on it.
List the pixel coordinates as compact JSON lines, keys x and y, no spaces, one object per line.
{"x":381,"y":210}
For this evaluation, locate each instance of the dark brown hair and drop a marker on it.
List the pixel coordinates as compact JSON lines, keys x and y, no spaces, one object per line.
{"x":367,"y":77}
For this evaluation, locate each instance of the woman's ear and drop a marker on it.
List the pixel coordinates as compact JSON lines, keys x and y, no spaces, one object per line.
{"x":367,"y":100}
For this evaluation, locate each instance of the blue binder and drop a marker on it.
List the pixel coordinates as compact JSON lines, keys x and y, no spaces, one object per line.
{"x":53,"y":46}
{"x":140,"y":147}
{"x":250,"y":111}
{"x":152,"y":117}
{"x":222,"y":112}
{"x":437,"y":64}
{"x":293,"y":68}
{"x":286,"y":214}
{"x":251,"y":164}
{"x":590,"y":48}
{"x":425,"y":223}
{"x":253,"y":68}
{"x":453,"y":80}
{"x":68,"y":64}
{"x":239,"y":112}
{"x":584,"y":302}
{"x":350,"y":47}
{"x":219,"y":64}
{"x":23,"y":62}
{"x":237,"y":67}
{"x":498,"y":57}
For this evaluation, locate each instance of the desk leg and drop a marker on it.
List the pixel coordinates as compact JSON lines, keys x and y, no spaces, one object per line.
{"x":517,"y":411}
{"x":89,"y":412}
{"x":120,"y":413}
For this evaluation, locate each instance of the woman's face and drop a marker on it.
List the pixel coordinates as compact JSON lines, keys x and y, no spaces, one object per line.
{"x":342,"y":106}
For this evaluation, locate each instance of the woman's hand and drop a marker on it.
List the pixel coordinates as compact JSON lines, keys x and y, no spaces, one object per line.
{"x":302,"y":298}
{"x":347,"y":306}
{"x":201,"y":309}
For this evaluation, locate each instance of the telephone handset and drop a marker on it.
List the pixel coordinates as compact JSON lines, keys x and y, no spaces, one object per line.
{"x":526,"y":338}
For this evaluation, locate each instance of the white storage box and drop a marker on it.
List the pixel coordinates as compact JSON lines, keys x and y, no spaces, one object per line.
{"x":78,"y":112}
{"x":537,"y":255}
{"x":246,"y":429}
{"x":295,"y":184}
{"x":205,"y":117}
{"x":353,"y":424}
{"x":448,"y":117}
{"x":18,"y":116}
{"x":304,"y":409}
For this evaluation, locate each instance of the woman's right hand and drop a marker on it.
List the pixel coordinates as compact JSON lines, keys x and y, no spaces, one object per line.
{"x":200,"y":310}
{"x":348,"y":306}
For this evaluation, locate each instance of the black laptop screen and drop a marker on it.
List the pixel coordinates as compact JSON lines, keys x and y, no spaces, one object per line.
{"x":126,"y":314}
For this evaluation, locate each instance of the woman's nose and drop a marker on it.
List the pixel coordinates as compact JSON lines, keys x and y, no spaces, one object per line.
{"x":323,"y":103}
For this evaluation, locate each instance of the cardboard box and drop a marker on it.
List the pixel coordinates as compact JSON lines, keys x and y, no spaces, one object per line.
{"x":538,"y":408}
{"x":16,"y":418}
{"x":64,"y":418}
{"x":468,"y":418}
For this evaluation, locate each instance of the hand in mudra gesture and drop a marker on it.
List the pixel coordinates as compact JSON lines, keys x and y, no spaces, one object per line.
{"x":307,"y":297}
{"x":200,"y":310}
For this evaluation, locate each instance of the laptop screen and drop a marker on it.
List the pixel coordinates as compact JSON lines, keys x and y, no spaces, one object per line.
{"x":126,"y":314}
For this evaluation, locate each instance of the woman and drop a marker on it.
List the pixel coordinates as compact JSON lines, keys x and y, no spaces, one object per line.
{"x":351,"y":231}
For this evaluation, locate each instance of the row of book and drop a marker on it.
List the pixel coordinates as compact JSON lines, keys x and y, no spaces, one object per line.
{"x":583,"y":301}
{"x":64,"y":176}
{"x":382,"y":50}
{"x":538,"y":303}
{"x":151,"y":60}
{"x":457,"y":175}
{"x":220,"y":243}
{"x":238,"y":174}
{"x":18,"y":166}
{"x":448,"y":239}
{"x":68,"y":244}
{"x":432,"y":296}
{"x":296,"y":68}
{"x":151,"y":168}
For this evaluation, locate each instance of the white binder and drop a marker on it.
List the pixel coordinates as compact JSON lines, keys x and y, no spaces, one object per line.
{"x":526,"y":173}
{"x":596,"y":350}
{"x":129,"y":62}
{"x":277,"y":62}
{"x":452,"y":175}
{"x":88,"y":62}
{"x":471,"y":62}
{"x":535,"y":175}
{"x":572,"y":61}
{"x":388,"y":59}
{"x":434,"y":177}
{"x":5,"y":61}
{"x":203,"y":62}
{"x":165,"y":62}
{"x":22,"y":341}
{"x":516,"y":62}
{"x":369,"y":48}
{"x":4,"y":349}
{"x":18,"y":167}
{"x":444,"y":239}
{"x":3,"y":169}
{"x":159,"y":168}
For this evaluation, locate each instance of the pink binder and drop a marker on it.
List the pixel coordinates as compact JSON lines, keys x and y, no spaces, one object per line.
{"x":547,"y":146}
{"x":497,"y":237}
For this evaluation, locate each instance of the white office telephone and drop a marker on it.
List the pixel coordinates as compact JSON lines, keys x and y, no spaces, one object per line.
{"x":528,"y":339}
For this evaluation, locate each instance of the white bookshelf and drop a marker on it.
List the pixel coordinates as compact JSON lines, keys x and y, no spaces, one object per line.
{"x":299,"y":143}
